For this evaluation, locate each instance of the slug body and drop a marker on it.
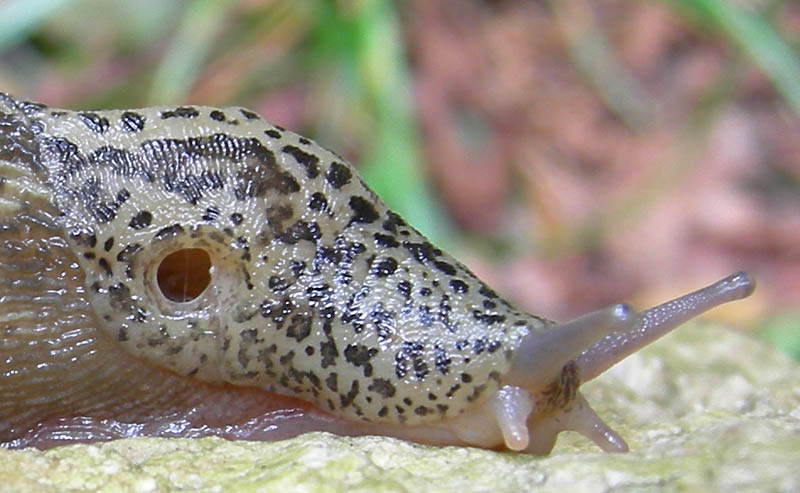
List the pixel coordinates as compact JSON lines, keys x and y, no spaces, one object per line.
{"x":191,"y":271}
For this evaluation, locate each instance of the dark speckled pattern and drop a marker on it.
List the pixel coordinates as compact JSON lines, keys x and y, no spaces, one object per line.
{"x":318,"y":290}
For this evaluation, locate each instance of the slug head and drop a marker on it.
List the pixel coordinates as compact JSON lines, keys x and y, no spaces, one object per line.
{"x":540,"y":396}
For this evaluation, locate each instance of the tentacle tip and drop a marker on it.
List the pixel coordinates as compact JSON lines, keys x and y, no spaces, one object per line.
{"x":742,"y":283}
{"x":612,"y":442}
{"x":516,"y":442}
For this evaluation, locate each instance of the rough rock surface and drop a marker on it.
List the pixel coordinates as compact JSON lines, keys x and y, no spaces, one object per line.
{"x":703,"y":409}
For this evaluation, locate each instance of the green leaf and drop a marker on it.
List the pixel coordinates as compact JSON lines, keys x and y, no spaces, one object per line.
{"x":364,"y":40}
{"x":783,"y":332}
{"x":195,"y":38}
{"x":20,"y":17}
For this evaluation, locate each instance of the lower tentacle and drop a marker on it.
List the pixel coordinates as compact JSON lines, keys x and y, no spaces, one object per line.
{"x":512,"y":406}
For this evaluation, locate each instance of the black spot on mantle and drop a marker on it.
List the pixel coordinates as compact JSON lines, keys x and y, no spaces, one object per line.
{"x":249,"y":114}
{"x":338,"y":175}
{"x":383,"y":267}
{"x":363,"y":210}
{"x":181,"y":112}
{"x":96,"y":123}
{"x":141,"y":220}
{"x":383,"y":387}
{"x":318,"y":202}
{"x":173,"y":230}
{"x":132,"y":122}
{"x":359,"y":355}
{"x":308,"y":161}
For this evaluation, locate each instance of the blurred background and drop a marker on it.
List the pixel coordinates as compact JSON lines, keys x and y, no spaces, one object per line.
{"x":573,"y":154}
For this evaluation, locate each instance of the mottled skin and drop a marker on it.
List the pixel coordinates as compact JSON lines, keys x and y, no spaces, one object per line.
{"x":317,"y":290}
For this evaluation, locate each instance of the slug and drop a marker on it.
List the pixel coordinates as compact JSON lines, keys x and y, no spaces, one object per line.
{"x":193,"y":271}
